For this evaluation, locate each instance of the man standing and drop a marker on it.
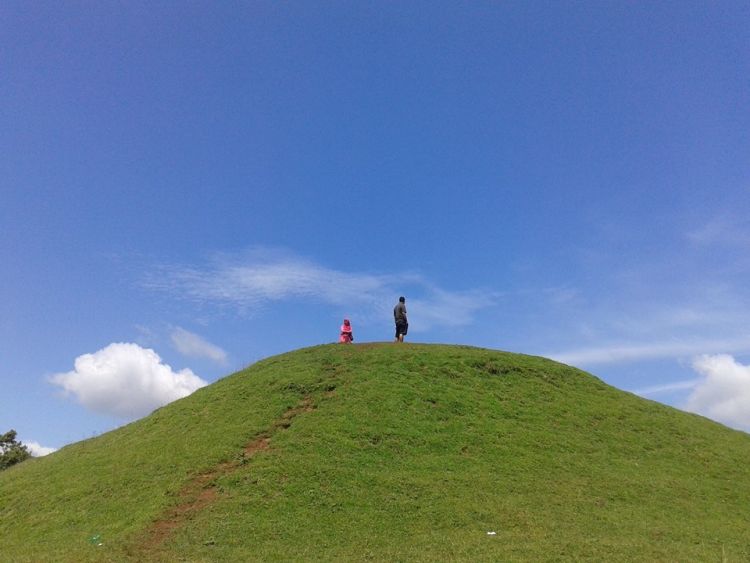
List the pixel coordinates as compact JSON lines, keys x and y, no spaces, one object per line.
{"x":399,"y":315}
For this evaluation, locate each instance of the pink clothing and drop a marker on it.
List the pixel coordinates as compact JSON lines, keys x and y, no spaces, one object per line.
{"x":346,"y":333}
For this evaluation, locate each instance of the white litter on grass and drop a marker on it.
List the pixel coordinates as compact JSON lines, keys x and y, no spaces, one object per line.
{"x":491,"y":533}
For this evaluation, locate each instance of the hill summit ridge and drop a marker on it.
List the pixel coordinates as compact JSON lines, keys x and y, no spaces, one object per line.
{"x":391,"y":452}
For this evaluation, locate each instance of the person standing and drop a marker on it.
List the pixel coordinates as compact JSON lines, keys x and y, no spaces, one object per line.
{"x":399,"y":316}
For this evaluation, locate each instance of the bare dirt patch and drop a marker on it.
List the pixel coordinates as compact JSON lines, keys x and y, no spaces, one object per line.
{"x":201,"y":491}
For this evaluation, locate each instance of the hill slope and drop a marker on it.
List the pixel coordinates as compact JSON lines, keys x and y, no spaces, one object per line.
{"x":385,"y":452}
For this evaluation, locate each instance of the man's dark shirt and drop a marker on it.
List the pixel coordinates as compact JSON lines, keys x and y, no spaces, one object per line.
{"x":399,"y":313}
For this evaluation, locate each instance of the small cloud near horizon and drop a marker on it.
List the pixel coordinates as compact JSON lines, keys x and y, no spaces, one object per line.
{"x":623,"y":353}
{"x":125,"y":381}
{"x":723,"y":394}
{"x":666,"y":388}
{"x":37,"y":450}
{"x":194,"y":346}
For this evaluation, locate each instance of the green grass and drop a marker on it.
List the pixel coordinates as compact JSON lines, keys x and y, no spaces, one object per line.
{"x":392,"y":453}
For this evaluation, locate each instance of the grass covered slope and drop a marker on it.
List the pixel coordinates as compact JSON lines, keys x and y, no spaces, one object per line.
{"x":388,"y":452}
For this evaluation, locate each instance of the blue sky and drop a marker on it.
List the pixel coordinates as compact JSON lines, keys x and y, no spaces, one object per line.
{"x":186,"y":188}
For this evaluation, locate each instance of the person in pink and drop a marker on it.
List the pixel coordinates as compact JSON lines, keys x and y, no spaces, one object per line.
{"x":346,"y":336}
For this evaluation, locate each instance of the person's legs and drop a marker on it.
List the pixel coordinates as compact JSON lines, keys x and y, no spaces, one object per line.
{"x":401,"y":329}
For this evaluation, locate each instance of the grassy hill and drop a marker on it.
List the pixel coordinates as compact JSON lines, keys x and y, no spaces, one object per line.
{"x":388,"y":452}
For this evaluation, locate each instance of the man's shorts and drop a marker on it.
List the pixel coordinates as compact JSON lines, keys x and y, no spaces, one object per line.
{"x":401,"y":328}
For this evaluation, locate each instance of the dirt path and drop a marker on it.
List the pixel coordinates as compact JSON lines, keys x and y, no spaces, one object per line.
{"x":200,"y":491}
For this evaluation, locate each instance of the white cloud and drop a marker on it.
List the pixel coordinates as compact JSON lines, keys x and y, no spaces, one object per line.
{"x":262,"y":276}
{"x":194,"y":346}
{"x":620,"y":353}
{"x":126,"y":381}
{"x":724,"y":393}
{"x":446,"y":308}
{"x":667,"y":387}
{"x":37,"y":450}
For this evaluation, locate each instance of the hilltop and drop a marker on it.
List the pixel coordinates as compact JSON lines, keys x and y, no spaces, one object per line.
{"x":391,"y":452}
